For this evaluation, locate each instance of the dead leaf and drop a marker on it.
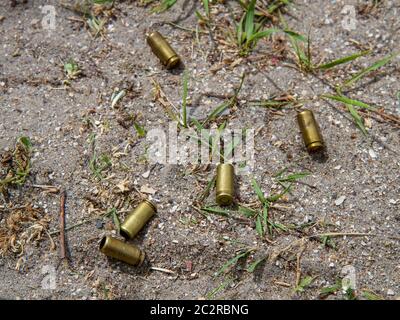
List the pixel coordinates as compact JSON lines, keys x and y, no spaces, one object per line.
{"x":123,"y":186}
{"x":147,"y":190}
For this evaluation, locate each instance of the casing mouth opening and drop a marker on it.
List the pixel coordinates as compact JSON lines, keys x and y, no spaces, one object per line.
{"x":103,"y":242}
{"x":315,"y":147}
{"x":124,"y":233}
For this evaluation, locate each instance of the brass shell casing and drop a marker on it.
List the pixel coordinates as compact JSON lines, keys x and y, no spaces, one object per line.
{"x":120,"y":250}
{"x":136,"y":220}
{"x":310,"y":130}
{"x":163,"y":50}
{"x":225,"y":189}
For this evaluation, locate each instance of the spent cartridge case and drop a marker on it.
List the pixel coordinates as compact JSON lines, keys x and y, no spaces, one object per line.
{"x":136,"y":220}
{"x":310,"y":131}
{"x":225,"y":188}
{"x":120,"y":250}
{"x":163,"y":50}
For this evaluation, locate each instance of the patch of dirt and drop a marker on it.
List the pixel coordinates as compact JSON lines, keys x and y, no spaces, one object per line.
{"x":93,"y":151}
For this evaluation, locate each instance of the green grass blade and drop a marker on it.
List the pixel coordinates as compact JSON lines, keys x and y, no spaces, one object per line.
{"x":295,"y":35}
{"x":252,"y":267}
{"x":239,"y":31}
{"x":304,"y":283}
{"x":163,"y":6}
{"x":332,"y":289}
{"x":276,"y":197}
{"x":218,"y":110}
{"x":259,"y":227}
{"x":352,"y":102}
{"x":357,"y":119}
{"x":233,"y":261}
{"x":206,"y":8}
{"x":258,"y":191}
{"x":140,"y":130}
{"x":249,"y":22}
{"x":263,"y":34}
{"x":247,"y":212}
{"x":265,"y":214}
{"x":116,"y":220}
{"x":294,"y":177}
{"x":217,"y":211}
{"x":26,"y":142}
{"x":371,"y":68}
{"x":337,"y":62}
{"x":369,"y":295}
{"x":240,"y":86}
{"x":281,"y":172}
{"x":198,"y":125}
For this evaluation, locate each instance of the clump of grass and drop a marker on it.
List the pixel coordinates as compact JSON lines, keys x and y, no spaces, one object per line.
{"x":207,"y":18}
{"x":249,"y":32}
{"x":273,"y":9}
{"x":328,"y":242}
{"x":327,"y":291}
{"x":140,"y":130}
{"x":303,"y":52}
{"x":262,"y":217}
{"x":98,"y":164}
{"x":96,"y":13}
{"x":229,"y":103}
{"x":352,"y":104}
{"x":164,"y":5}
{"x":96,"y":25}
{"x":17,"y":165}
{"x":304,"y":284}
{"x":348,"y":292}
{"x":71,"y":69}
{"x":361,"y":74}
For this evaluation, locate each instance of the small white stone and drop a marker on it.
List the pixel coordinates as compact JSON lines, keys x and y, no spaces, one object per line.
{"x":390,"y":292}
{"x":146,"y":174}
{"x":340,"y":200}
{"x":372,"y":154}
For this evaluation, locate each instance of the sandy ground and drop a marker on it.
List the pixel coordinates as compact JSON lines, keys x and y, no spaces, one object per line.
{"x":60,"y":120}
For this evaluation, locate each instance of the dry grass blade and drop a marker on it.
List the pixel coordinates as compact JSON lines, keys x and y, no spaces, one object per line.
{"x":22,"y":226}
